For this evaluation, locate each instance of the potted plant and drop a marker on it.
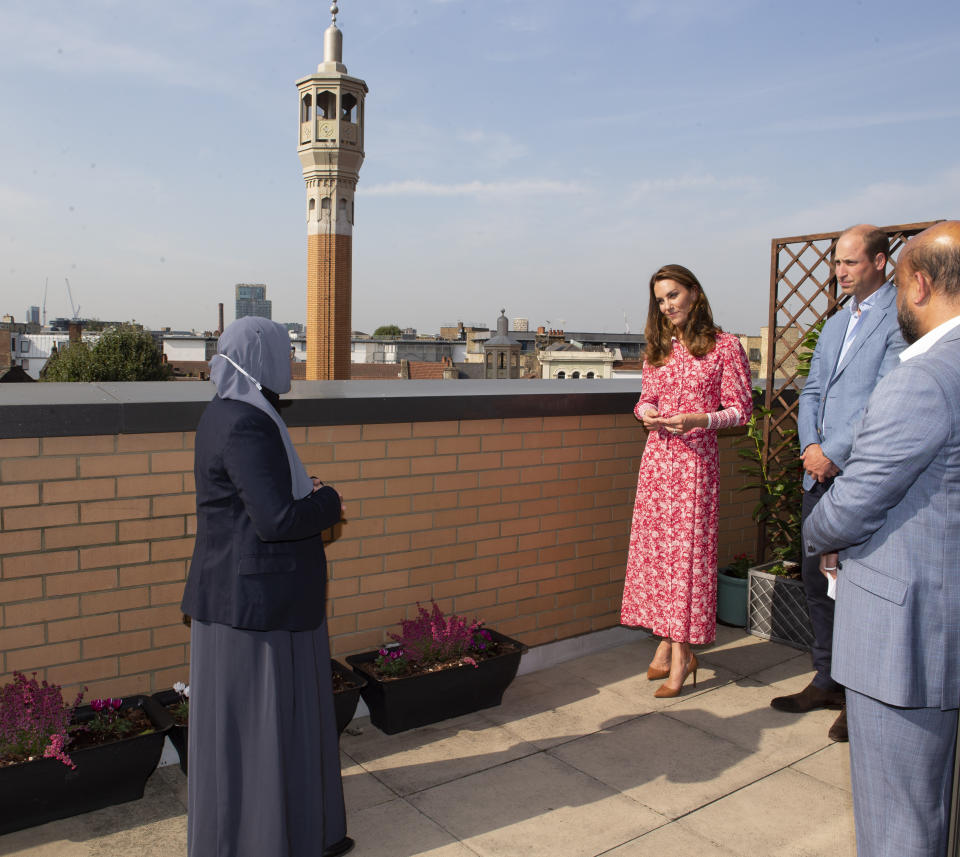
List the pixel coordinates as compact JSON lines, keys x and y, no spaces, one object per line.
{"x":347,"y":686}
{"x":177,"y":702}
{"x":776,"y":601}
{"x":58,"y":760}
{"x":732,"y":590}
{"x":437,"y":667}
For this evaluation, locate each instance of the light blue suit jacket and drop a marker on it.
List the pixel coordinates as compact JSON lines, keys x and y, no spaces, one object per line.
{"x":832,"y":402}
{"x":894,"y":513}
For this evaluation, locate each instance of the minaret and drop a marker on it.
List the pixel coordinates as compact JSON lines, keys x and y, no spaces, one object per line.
{"x":331,"y":152}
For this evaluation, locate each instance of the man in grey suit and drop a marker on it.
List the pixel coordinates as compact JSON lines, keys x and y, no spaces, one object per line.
{"x":893,"y":514}
{"x":857,"y":347}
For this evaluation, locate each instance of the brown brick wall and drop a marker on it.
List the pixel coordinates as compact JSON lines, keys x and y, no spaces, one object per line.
{"x":329,"y":285}
{"x":523,"y":522}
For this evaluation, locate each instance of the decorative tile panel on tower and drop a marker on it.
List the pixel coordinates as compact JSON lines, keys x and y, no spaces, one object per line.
{"x":331,"y":153}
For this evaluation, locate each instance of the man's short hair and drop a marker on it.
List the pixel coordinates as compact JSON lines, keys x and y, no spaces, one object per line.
{"x":940,"y":262}
{"x":876,"y":241}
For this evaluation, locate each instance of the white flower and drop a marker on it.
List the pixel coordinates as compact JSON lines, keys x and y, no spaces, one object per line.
{"x":179,"y":687}
{"x":186,"y":691}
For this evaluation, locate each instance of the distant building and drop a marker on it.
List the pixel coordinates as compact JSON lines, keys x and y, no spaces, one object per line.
{"x":251,"y":299}
{"x":396,"y":349}
{"x":33,"y":315}
{"x":521,"y":324}
{"x":563,"y":360}
{"x":501,"y":353}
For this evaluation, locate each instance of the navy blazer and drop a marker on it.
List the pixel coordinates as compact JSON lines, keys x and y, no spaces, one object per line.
{"x":258,"y":560}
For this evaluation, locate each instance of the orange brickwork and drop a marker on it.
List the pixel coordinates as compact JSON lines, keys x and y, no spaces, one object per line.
{"x":329,"y":287}
{"x":523,"y":522}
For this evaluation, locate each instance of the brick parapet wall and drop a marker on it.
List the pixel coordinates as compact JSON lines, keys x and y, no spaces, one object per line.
{"x":522,"y":521}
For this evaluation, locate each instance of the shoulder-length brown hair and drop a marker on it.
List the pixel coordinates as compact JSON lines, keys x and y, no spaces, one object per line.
{"x":699,"y":333}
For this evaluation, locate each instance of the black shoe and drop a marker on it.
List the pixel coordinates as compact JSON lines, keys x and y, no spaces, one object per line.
{"x":838,"y":732}
{"x":808,"y":699}
{"x":342,"y":847}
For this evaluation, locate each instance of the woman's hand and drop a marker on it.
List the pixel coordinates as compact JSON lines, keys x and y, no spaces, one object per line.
{"x":651,"y":419}
{"x":682,"y":423}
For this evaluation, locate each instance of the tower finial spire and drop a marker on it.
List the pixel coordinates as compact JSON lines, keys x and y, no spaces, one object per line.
{"x":333,"y":44}
{"x":334,"y":9}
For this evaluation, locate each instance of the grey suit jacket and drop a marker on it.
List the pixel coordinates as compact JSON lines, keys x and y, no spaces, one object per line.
{"x":832,"y":402}
{"x":894,"y":513}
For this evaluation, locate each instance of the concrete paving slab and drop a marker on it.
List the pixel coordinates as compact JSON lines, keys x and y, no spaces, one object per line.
{"x":537,"y":807}
{"x":361,"y":789}
{"x":559,"y":714}
{"x":671,"y":840}
{"x":411,"y":761}
{"x":790,"y":676}
{"x":787,"y":814}
{"x":831,"y":765}
{"x":396,"y":829}
{"x":666,"y":765}
{"x":741,"y":713}
{"x":742,"y":653}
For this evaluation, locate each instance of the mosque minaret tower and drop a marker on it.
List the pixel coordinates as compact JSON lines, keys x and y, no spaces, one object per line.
{"x":331,"y":153}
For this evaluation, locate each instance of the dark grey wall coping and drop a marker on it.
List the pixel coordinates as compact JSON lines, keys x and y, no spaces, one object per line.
{"x":54,"y":410}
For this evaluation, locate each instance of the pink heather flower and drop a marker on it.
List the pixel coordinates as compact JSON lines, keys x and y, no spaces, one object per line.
{"x":471,"y":662}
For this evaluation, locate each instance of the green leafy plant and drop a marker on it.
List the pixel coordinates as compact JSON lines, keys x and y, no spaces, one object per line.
{"x":781,"y":491}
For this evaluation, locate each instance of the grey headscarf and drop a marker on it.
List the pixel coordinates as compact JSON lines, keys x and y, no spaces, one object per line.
{"x":254,"y":352}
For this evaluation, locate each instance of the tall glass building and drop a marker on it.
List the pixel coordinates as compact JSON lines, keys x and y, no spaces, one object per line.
{"x":252,"y":300}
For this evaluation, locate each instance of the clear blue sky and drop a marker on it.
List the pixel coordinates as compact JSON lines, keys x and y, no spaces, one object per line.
{"x":541,"y":155}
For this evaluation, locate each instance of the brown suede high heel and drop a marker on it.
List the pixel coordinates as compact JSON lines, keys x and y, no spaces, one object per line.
{"x":664,"y":692}
{"x":653,"y":674}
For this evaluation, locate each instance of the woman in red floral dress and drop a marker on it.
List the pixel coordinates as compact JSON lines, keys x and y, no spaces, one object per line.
{"x":696,"y":380}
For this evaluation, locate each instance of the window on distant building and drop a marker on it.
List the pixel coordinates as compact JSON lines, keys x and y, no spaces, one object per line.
{"x":326,"y":105}
{"x":561,"y":375}
{"x":591,"y":375}
{"x":755,"y":355}
{"x":306,"y":108}
{"x":348,"y":107}
{"x":24,"y":346}
{"x":575,"y":375}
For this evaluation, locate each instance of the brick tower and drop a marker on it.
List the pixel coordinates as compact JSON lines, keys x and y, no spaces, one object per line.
{"x":331,"y":153}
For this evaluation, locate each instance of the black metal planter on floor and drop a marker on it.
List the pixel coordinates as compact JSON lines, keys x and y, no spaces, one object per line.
{"x":404,"y":703}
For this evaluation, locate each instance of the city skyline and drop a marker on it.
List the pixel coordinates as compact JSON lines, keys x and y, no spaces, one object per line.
{"x":542,"y":156}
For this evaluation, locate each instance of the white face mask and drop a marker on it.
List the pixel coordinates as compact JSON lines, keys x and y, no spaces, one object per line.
{"x":241,"y":370}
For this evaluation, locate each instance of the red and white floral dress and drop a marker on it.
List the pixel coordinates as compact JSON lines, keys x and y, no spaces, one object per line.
{"x":671,"y":578}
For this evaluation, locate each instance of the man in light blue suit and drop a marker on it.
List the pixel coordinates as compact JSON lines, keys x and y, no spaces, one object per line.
{"x":893,"y":514}
{"x":857,"y":346}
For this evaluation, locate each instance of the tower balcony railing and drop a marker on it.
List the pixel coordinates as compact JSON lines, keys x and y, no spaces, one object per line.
{"x":508,"y":500}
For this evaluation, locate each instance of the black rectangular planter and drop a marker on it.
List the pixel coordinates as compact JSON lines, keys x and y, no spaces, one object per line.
{"x":417,"y":700}
{"x":178,"y":735}
{"x":345,"y":702}
{"x":44,"y":790}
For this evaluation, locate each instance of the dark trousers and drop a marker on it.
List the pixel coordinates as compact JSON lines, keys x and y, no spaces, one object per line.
{"x":819,"y":604}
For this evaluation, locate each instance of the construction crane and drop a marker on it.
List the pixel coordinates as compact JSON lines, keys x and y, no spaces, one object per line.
{"x":46,"y":283}
{"x":74,"y":309}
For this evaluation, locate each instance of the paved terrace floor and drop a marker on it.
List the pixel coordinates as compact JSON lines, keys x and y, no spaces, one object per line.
{"x":580,"y":760}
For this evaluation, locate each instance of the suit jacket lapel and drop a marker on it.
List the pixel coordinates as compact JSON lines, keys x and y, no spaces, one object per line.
{"x":866,"y":326}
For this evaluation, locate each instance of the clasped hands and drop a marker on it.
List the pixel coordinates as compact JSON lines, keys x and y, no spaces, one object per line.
{"x":817,"y":464}
{"x":677,"y":424}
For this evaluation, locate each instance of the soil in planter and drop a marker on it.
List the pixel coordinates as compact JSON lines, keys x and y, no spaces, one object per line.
{"x":343,"y":683}
{"x":494,"y":649}
{"x":81,"y":738}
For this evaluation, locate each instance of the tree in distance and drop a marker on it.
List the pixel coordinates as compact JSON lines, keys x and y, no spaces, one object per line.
{"x":124,"y":353}
{"x":387,"y":330}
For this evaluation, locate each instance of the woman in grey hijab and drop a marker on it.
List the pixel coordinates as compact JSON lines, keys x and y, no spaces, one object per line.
{"x":264,"y":769}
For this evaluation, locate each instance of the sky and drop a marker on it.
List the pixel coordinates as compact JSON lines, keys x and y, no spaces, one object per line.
{"x":541,"y":156}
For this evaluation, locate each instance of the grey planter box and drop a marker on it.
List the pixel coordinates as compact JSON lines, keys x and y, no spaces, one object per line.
{"x":777,"y":609}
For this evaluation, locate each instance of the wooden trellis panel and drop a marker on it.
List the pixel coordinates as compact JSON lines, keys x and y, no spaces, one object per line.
{"x":803,"y":292}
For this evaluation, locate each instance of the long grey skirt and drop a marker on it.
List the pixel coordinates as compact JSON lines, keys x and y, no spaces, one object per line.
{"x":264,"y":771}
